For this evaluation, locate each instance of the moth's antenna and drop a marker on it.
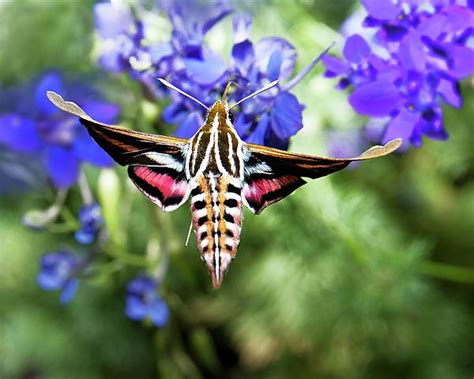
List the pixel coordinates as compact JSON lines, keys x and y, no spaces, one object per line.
{"x":169,"y":85}
{"x":287,"y":86}
{"x":266,"y":88}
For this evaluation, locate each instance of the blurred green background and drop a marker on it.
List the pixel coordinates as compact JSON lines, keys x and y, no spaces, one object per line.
{"x":365,"y":274}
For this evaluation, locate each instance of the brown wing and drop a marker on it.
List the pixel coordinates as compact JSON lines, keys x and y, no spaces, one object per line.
{"x":156,"y":162}
{"x":272,"y":174}
{"x":123,"y":145}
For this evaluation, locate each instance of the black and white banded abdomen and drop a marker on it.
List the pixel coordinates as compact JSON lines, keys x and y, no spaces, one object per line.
{"x":216,"y":207}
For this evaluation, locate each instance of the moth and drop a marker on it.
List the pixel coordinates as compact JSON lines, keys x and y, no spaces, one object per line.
{"x":215,"y":168}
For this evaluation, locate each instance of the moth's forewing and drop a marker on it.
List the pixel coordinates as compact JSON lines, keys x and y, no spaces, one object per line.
{"x":273,"y":174}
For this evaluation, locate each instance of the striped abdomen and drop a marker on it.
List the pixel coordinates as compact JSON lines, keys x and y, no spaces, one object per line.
{"x":216,"y":208}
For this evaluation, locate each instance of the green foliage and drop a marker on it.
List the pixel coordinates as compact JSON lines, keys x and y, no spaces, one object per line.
{"x":38,"y":35}
{"x":337,"y":281}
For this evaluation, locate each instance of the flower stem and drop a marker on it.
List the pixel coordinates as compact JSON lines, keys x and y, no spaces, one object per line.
{"x":129,"y":259}
{"x":84,"y":188}
{"x":445,"y":271}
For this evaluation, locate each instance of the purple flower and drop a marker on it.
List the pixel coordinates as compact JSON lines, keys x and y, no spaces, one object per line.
{"x":189,"y":62}
{"x":410,"y":68}
{"x":345,"y":143}
{"x":186,"y":61}
{"x":30,"y":124}
{"x":91,"y":221}
{"x":276,"y":115}
{"x":122,"y":37}
{"x":144,"y":303}
{"x":58,"y":272}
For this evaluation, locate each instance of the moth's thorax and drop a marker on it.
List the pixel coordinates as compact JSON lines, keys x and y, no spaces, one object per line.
{"x":216,"y":148}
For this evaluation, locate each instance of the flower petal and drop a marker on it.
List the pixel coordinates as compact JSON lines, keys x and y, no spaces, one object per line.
{"x":63,"y":166}
{"x":376,"y":99}
{"x":69,"y":290}
{"x":84,"y":236}
{"x":206,"y":71}
{"x":272,"y":140}
{"x":356,"y":49}
{"x":142,"y":285}
{"x":161,"y":50}
{"x":274,"y":66}
{"x":112,"y":19}
{"x":242,"y":25}
{"x":243,"y":55}
{"x":433,"y":26}
{"x":100,"y":111}
{"x":411,"y":52}
{"x":218,"y":12}
{"x":135,"y":308}
{"x":267,"y":46}
{"x":174,"y":113}
{"x":48,"y":282}
{"x":158,"y":312}
{"x":449,"y":90}
{"x":286,"y":116}
{"x":433,"y":126}
{"x":19,"y":133}
{"x":51,"y":81}
{"x":458,"y":18}
{"x":458,"y":58}
{"x":242,"y":124}
{"x":345,"y":143}
{"x":335,"y":66}
{"x":189,"y":126}
{"x":258,"y":135}
{"x":381,"y":9}
{"x":111,"y":59}
{"x":462,"y":59}
{"x":86,"y":149}
{"x":401,"y":126}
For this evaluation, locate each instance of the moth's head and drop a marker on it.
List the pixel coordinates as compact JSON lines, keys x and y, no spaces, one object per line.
{"x":220,"y":109}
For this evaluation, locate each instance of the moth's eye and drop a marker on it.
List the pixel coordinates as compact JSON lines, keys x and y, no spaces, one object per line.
{"x":231,"y":117}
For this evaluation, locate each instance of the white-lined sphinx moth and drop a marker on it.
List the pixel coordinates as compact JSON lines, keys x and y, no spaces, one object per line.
{"x":218,"y":170}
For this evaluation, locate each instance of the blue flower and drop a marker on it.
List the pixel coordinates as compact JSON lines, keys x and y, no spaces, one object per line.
{"x":122,"y":39}
{"x":30,"y":124}
{"x":58,"y":272}
{"x":185,"y":60}
{"x":270,"y":119}
{"x":411,"y":68}
{"x":91,"y":221}
{"x":144,"y":303}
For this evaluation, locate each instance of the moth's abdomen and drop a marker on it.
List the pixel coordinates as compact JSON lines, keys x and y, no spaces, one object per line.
{"x":216,"y":207}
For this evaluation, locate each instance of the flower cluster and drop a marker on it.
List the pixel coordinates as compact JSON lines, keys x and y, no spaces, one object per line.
{"x":58,"y":272}
{"x":410,"y":65}
{"x":30,"y":124}
{"x":144,"y":303}
{"x":91,"y":220}
{"x":185,"y":60}
{"x":38,"y":132}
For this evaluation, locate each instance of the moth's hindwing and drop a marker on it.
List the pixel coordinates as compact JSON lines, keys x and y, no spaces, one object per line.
{"x":272,"y":174}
